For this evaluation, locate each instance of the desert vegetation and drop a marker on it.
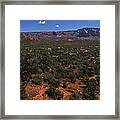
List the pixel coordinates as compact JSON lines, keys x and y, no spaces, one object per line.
{"x":59,"y":69}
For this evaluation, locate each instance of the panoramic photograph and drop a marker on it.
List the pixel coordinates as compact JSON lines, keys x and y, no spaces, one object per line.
{"x":59,"y":59}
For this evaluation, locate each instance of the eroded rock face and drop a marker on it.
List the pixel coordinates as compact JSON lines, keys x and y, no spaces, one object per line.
{"x":86,"y":33}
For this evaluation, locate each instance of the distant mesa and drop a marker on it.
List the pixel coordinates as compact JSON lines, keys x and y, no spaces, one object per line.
{"x":84,"y":33}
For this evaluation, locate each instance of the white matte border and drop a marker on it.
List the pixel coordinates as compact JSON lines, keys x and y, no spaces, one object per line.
{"x":104,"y":13}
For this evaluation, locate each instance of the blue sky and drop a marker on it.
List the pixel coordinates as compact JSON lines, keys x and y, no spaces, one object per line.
{"x":56,"y":25}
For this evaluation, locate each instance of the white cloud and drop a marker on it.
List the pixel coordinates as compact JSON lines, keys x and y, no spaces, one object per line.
{"x":57,"y":25}
{"x":42,"y":22}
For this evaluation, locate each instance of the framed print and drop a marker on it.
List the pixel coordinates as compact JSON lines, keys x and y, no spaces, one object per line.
{"x":60,"y":60}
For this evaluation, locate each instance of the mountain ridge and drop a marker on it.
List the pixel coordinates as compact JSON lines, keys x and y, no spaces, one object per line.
{"x":69,"y":34}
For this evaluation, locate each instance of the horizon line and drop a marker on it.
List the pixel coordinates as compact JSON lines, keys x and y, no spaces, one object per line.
{"x":59,"y":30}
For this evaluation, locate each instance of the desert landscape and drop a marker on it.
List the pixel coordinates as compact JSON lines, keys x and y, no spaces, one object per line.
{"x":60,"y":65}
